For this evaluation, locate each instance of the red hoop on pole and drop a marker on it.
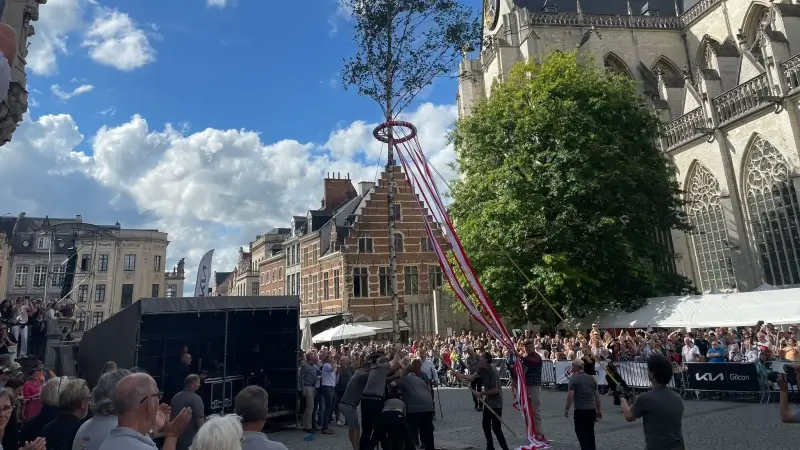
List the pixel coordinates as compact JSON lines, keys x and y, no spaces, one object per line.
{"x":381,"y":131}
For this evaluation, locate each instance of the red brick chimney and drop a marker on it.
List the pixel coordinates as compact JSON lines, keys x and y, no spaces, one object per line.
{"x":338,"y":191}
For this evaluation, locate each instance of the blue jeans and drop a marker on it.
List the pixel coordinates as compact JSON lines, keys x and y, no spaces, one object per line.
{"x":326,"y":406}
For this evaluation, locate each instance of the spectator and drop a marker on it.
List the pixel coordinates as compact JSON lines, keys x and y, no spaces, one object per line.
{"x":716,"y":354}
{"x":95,"y":430}
{"x":690,"y":353}
{"x":30,"y":391}
{"x":252,"y":405}
{"x":219,"y":433}
{"x":13,"y":431}
{"x":48,"y":396}
{"x":138,"y":413}
{"x":6,"y":411}
{"x":73,"y":404}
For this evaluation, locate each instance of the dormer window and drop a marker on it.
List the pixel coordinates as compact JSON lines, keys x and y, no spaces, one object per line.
{"x":43,"y":243}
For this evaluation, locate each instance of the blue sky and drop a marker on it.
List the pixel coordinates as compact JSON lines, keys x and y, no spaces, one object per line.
{"x":211,"y":120}
{"x":257,"y":65}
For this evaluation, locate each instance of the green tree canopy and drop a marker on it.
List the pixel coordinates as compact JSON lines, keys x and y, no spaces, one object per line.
{"x":562,"y":177}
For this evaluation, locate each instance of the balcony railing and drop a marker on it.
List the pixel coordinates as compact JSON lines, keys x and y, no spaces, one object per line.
{"x":696,"y":11}
{"x":791,"y":72}
{"x":684,"y":128}
{"x":605,"y":21}
{"x":743,"y":98}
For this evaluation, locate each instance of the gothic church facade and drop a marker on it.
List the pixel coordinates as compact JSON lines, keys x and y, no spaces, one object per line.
{"x":725,"y":77}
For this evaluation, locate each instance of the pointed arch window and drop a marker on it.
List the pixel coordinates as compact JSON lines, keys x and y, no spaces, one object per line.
{"x":666,"y":67}
{"x":709,"y":236}
{"x":772,"y":214}
{"x":614,"y":64}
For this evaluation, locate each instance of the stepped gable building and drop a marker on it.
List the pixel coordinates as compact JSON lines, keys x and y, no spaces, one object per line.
{"x":342,"y":251}
{"x":336,"y":259}
{"x":725,"y":77}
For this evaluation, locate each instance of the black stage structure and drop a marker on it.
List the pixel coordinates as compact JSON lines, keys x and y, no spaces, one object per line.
{"x":234,"y":341}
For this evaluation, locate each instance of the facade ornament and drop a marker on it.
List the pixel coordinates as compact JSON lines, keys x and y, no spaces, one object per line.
{"x":740,"y":38}
{"x":181,"y":265}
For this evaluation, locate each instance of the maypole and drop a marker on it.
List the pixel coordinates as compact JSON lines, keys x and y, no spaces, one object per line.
{"x":402,"y":47}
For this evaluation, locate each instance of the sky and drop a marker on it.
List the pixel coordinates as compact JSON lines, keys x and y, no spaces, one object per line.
{"x":210,"y":120}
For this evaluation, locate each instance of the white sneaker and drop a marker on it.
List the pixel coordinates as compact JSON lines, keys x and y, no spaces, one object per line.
{"x":340,"y":423}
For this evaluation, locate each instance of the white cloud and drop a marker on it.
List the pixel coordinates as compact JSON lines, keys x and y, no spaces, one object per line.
{"x":115,"y":40}
{"x":57,"y":20}
{"x":66,"y":95}
{"x":343,"y":14}
{"x":208,"y":189}
{"x":216,"y":3}
{"x":112,"y":38}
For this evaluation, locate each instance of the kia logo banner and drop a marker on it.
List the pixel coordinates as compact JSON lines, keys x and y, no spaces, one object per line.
{"x":709,"y":377}
{"x":729,"y":377}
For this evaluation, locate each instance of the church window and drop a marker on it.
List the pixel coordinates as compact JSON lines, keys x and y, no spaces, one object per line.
{"x":772,"y":214}
{"x":615,"y":65}
{"x":709,"y":234}
{"x":665,"y":67}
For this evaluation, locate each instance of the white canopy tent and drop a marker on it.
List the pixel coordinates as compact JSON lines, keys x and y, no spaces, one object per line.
{"x":776,"y":306}
{"x":344,"y":332}
{"x":357,"y":330}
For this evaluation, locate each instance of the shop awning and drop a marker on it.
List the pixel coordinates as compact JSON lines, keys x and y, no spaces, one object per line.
{"x":383,"y":326}
{"x":315,"y":319}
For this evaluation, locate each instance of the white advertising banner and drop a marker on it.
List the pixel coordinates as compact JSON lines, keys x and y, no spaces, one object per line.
{"x":564,"y":372}
{"x":203,"y":275}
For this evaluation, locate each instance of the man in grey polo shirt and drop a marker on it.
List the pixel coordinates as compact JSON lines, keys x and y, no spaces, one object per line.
{"x":188,"y":398}
{"x":136,"y":405}
{"x":252,"y":405}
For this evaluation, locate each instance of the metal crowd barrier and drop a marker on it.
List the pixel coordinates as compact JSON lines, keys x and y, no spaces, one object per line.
{"x":697,"y":378}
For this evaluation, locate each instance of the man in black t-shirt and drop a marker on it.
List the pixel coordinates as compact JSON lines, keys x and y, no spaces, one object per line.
{"x":661,"y":409}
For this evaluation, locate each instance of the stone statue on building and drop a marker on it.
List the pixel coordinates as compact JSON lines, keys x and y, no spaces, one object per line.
{"x":181,"y":265}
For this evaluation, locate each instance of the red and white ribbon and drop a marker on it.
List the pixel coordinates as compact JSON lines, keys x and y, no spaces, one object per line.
{"x":420,"y":178}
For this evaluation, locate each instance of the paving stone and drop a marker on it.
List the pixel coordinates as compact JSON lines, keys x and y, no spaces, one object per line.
{"x":737,"y":424}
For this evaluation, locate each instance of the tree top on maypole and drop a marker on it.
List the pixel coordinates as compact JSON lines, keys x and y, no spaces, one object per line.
{"x":404,"y":45}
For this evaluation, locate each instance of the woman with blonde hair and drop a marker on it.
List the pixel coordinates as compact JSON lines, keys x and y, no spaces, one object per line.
{"x":219,"y":433}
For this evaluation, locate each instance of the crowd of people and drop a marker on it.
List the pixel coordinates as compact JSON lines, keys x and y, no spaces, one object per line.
{"x":122,"y":412}
{"x":743,"y":344}
{"x":334,"y":378}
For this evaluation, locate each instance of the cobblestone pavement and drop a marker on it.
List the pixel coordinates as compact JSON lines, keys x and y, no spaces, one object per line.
{"x":706,"y":424}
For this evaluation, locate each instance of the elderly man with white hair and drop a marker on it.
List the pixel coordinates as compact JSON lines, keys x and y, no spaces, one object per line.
{"x":220,"y":433}
{"x":95,"y":430}
{"x":584,"y":395}
{"x":136,"y":403}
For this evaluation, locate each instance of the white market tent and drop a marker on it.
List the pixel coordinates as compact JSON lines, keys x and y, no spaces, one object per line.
{"x":348,"y":331}
{"x":344,"y":332}
{"x":776,"y":306}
